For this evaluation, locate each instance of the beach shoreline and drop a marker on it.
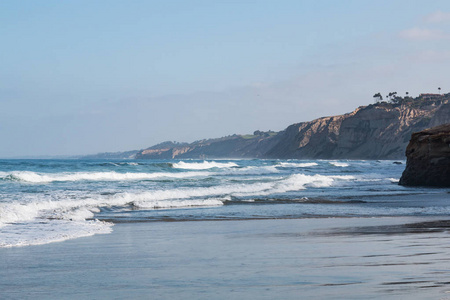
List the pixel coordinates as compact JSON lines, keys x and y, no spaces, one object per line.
{"x":354,"y":258}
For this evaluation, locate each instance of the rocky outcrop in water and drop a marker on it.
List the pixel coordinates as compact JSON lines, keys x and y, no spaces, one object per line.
{"x":428,"y":158}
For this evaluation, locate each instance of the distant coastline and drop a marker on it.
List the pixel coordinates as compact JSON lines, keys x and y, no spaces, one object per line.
{"x":377,"y":131}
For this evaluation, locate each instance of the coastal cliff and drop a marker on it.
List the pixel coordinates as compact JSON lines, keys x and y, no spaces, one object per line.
{"x":234,"y":146}
{"x":378,"y":131}
{"x":428,"y":158}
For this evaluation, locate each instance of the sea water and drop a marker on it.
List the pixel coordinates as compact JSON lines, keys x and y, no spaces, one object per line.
{"x":220,"y":229}
{"x":44,"y":201}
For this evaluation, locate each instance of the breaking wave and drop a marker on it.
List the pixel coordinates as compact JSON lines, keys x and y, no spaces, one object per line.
{"x":203,"y":165}
{"x":33,"y":177}
{"x":34,"y":210}
{"x":50,"y":231}
{"x":73,"y":207}
{"x":297,"y":165}
{"x":339,"y":164}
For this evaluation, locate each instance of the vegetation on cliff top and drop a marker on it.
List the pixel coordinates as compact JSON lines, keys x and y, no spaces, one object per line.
{"x":393,"y":100}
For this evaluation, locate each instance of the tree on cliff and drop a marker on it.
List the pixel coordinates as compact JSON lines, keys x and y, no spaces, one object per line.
{"x":378,"y":97}
{"x":392,"y":96}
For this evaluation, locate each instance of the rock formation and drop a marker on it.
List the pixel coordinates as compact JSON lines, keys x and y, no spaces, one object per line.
{"x":234,"y":146}
{"x":428,"y":158}
{"x":377,"y":131}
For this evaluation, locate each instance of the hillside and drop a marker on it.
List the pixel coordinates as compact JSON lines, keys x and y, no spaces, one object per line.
{"x":234,"y":146}
{"x":377,"y":131}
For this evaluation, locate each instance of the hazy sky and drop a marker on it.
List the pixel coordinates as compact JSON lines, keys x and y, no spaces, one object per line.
{"x":79,"y":77}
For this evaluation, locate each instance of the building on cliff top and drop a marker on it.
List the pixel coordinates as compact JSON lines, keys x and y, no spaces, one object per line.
{"x":429,"y":96}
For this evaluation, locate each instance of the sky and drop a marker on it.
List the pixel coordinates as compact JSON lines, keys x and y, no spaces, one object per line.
{"x":82,"y":77}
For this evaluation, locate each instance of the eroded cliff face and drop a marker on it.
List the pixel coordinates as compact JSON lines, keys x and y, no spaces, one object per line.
{"x":428,"y":158}
{"x":379,"y":131}
{"x":370,"y":132}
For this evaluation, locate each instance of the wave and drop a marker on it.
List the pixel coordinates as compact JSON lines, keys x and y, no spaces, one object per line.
{"x":83,"y":205}
{"x":225,"y":192}
{"x":118,"y":164}
{"x":203,"y":165}
{"x":182,"y":203}
{"x":251,"y":170}
{"x":33,"y":177}
{"x":39,"y":212}
{"x":297,"y":165}
{"x":50,"y":231}
{"x":339,"y":164}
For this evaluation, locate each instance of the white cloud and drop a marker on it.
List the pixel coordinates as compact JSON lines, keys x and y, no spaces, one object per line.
{"x":437,"y":17}
{"x":421,"y":34}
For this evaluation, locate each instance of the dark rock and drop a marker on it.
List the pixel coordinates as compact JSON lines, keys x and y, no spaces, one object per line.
{"x":428,"y":158}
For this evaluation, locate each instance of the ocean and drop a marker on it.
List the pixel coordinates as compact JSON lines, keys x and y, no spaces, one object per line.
{"x":261,"y":216}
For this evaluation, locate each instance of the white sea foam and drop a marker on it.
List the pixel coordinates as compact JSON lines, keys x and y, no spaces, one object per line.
{"x":159,"y":204}
{"x":339,"y":164}
{"x":72,"y":206}
{"x":118,"y":164}
{"x":203,"y":165}
{"x":291,"y":183}
{"x":297,"y":165}
{"x":79,"y":208}
{"x":302,"y":181}
{"x":33,"y":177}
{"x":45,"y":212}
{"x":48,"y":231}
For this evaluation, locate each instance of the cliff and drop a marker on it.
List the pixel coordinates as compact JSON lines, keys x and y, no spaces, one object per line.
{"x":377,"y":131}
{"x":112,"y":155}
{"x":428,"y":158}
{"x":235,"y":146}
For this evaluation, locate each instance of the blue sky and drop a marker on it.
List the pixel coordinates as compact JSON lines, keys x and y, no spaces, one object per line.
{"x":82,"y":77}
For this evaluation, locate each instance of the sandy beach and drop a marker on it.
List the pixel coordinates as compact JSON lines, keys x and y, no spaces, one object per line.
{"x":329,"y":258}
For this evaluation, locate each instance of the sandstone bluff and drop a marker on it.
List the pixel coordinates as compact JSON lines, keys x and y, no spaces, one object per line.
{"x":379,"y":131}
{"x":428,"y":158}
{"x":376,"y":131}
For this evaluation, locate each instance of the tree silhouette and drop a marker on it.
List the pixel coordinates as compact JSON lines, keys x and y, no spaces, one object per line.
{"x":393,"y":97}
{"x":391,"y":94}
{"x":378,"y":97}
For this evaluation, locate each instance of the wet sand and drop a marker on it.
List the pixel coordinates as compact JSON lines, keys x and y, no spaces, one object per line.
{"x":333,"y":258}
